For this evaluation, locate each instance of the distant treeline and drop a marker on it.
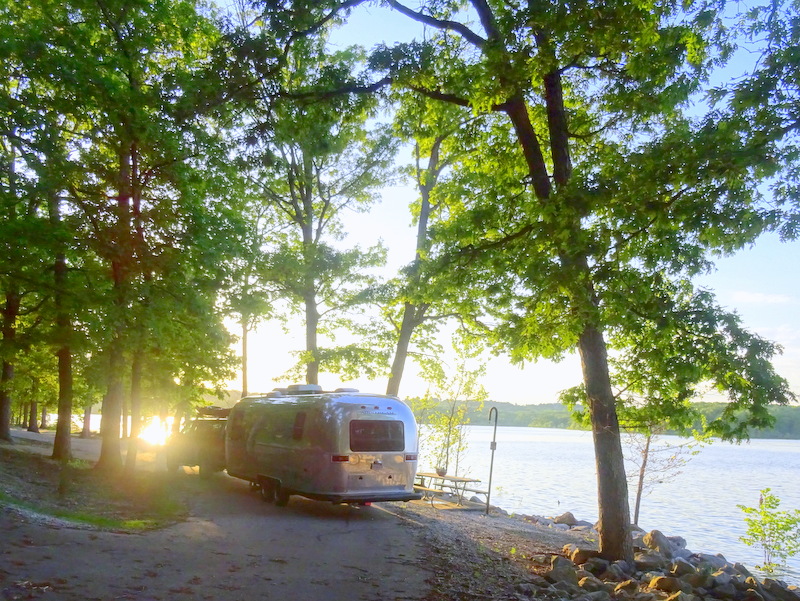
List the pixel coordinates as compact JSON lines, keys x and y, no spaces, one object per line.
{"x":555,"y":415}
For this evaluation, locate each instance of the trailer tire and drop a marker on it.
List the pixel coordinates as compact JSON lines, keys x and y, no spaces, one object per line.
{"x":282,"y":496}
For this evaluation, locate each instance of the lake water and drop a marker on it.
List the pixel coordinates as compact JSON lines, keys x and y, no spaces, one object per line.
{"x":542,"y":471}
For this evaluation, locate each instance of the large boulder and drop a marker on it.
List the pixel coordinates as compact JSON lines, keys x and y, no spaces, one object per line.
{"x":669,"y":584}
{"x":781,"y":591}
{"x":566,"y":518}
{"x":659,"y":543}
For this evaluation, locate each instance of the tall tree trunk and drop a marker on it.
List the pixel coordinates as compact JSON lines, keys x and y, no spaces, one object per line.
{"x":312,"y":322}
{"x":121,"y":264}
{"x":614,"y":528}
{"x":45,"y":423}
{"x":642,"y":472}
{"x":414,"y":315}
{"x":110,"y":448}
{"x":9,"y":329}
{"x":245,"y":329}
{"x":86,"y":431}
{"x":62,"y":445}
{"x":612,"y":485}
{"x":136,"y":411}
{"x":33,"y":415}
{"x":124,"y":420}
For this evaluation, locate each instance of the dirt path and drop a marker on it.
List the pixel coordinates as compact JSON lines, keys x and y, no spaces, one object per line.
{"x":233,"y":547}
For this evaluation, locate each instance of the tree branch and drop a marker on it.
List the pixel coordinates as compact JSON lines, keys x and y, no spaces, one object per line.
{"x":444,"y":24}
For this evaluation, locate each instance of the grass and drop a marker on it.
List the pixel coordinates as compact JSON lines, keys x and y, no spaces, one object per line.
{"x":80,"y":494}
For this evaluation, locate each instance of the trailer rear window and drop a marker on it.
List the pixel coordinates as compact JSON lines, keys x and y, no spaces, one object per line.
{"x":371,"y":435}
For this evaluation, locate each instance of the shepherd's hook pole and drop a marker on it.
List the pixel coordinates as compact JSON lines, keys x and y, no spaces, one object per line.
{"x":492,"y":446}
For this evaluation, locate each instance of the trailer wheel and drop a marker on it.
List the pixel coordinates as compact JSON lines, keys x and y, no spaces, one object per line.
{"x":282,"y":496}
{"x":266,"y":488}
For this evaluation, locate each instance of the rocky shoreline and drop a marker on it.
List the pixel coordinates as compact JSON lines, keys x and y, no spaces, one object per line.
{"x":663,"y":570}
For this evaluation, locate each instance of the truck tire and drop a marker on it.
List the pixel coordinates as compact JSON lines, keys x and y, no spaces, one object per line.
{"x":267,"y":489}
{"x":204,"y":467}
{"x":282,"y":496}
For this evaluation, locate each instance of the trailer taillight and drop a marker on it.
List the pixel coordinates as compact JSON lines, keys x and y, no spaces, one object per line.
{"x":411,"y":457}
{"x":340,"y":458}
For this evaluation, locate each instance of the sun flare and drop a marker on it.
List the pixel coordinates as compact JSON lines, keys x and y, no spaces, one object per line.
{"x":155,"y":432}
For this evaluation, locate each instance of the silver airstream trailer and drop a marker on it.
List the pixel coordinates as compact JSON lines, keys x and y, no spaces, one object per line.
{"x":341,"y":446}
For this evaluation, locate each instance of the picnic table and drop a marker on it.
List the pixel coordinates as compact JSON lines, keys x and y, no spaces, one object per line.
{"x":431,"y":485}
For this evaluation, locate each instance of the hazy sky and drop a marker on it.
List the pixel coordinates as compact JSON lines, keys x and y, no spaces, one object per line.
{"x":762,"y":284}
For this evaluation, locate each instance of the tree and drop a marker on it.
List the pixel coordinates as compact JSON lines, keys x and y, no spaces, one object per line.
{"x":443,"y":410}
{"x":625,"y":189}
{"x":776,"y":532}
{"x":312,"y":160}
{"x":440,"y":138}
{"x":121,"y":79}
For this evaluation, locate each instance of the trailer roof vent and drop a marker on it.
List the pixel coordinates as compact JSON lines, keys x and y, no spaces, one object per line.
{"x":305,"y":389}
{"x":346,"y":390}
{"x":275,"y":394}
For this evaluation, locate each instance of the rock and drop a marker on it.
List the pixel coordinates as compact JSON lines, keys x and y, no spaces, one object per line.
{"x":566,"y":518}
{"x":683,"y":596}
{"x":677,"y":542}
{"x":627,"y":586}
{"x":643,"y":596}
{"x":538,"y":581}
{"x":637,"y":539}
{"x":614,"y":572}
{"x":656,"y":541}
{"x":581,"y":556}
{"x":650,"y":561}
{"x":698,"y":580}
{"x":725,"y":591}
{"x":597,"y":596}
{"x":625,"y":567}
{"x":595,"y":565}
{"x":573,"y":590}
{"x":563,"y":527}
{"x":752,"y":595}
{"x":668,"y":584}
{"x":592,"y":584}
{"x":780,"y":591}
{"x":742,"y":570}
{"x":721,"y":578}
{"x":717,"y":562}
{"x":681,"y":567}
{"x":562,"y":570}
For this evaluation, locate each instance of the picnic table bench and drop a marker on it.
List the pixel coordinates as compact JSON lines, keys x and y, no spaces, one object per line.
{"x":433,"y":485}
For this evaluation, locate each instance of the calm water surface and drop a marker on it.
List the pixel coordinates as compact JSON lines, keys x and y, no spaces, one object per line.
{"x":543,"y":471}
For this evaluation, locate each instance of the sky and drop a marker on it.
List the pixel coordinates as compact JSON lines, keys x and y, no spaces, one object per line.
{"x":760,"y":283}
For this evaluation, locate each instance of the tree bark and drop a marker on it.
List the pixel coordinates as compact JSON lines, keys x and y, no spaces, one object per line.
{"x":136,"y":411}
{"x":110,"y":448}
{"x":312,"y":322}
{"x":245,"y":329}
{"x":612,"y":485}
{"x":33,"y":416}
{"x":642,"y":472}
{"x":121,"y":260}
{"x":9,"y":329}
{"x":62,"y":445}
{"x":86,"y":431}
{"x":414,"y":315}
